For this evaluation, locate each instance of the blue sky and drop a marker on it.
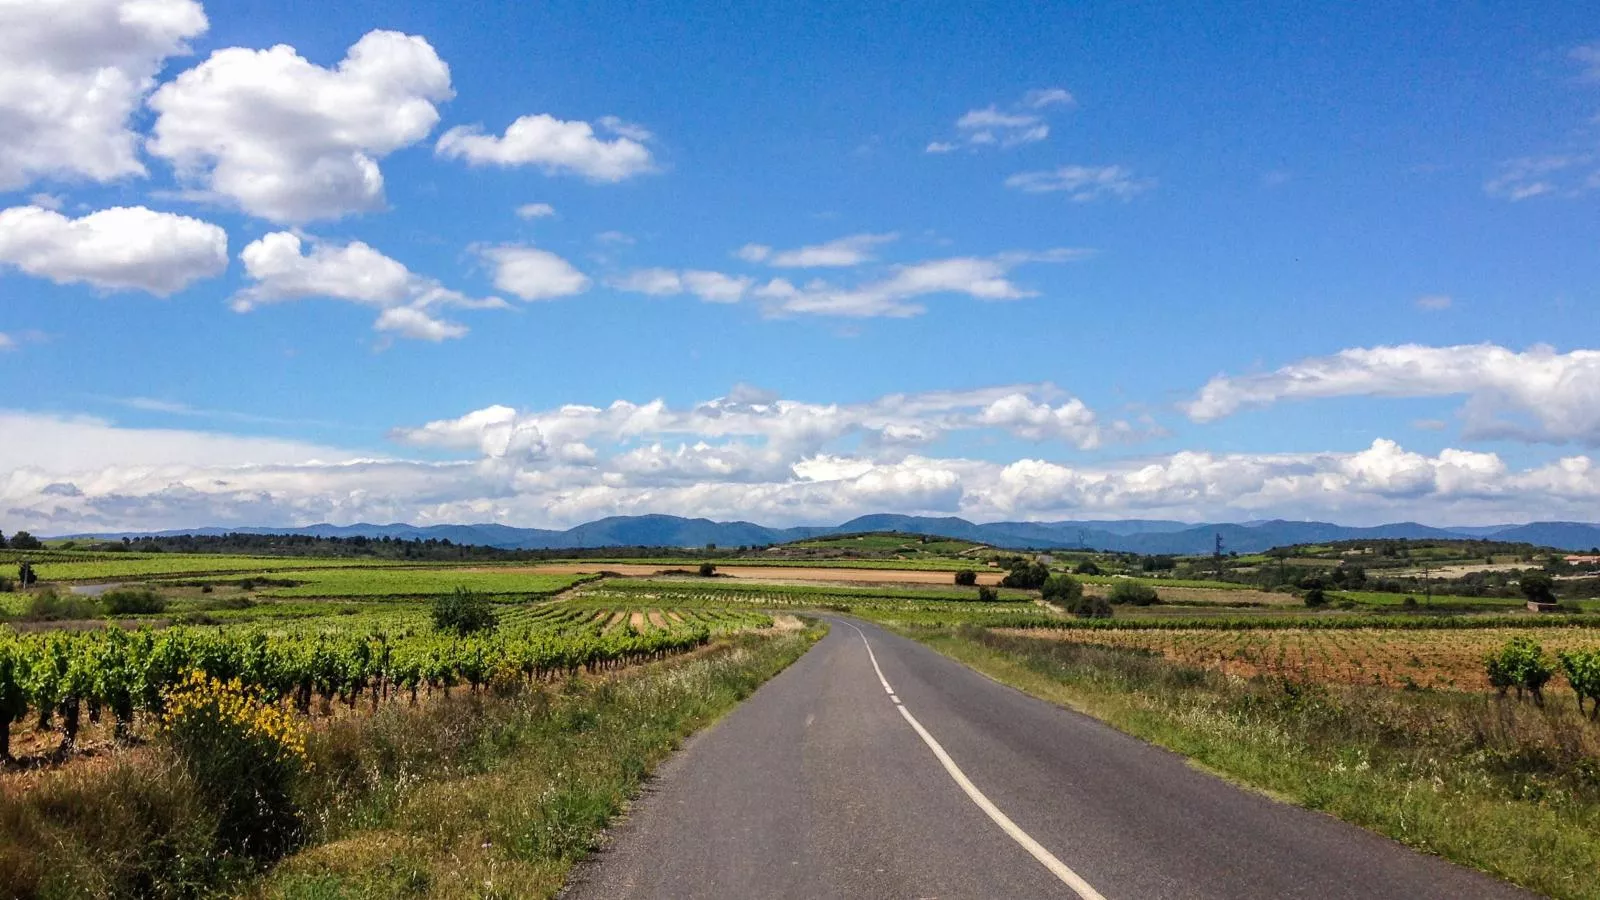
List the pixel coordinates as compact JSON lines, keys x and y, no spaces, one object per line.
{"x":1003,"y":261}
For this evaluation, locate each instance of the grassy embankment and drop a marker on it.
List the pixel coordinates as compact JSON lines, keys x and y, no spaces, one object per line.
{"x":1504,"y":786}
{"x":487,"y":796}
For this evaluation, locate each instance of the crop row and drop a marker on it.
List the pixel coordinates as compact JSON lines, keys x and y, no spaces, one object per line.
{"x":59,"y":675}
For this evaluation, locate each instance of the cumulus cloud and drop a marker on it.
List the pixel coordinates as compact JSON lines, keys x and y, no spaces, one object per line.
{"x":1083,"y":184}
{"x":1535,"y":395}
{"x":74,"y":72}
{"x":556,"y":146}
{"x":535,"y":210}
{"x":533,"y":274}
{"x":1017,"y":123}
{"x":291,"y":141}
{"x":1434,"y":302}
{"x":117,"y":249}
{"x":283,"y":268}
{"x":79,"y":474}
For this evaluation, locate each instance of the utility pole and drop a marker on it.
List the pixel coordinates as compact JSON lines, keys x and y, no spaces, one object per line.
{"x":1216,"y":555}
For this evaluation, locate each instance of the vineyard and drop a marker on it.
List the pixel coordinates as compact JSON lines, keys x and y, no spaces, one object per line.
{"x":415,"y":582}
{"x":1441,"y":658}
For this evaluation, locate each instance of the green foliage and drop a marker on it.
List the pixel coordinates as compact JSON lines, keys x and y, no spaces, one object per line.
{"x":46,"y":605}
{"x":1537,"y":587}
{"x":1062,"y":589}
{"x":988,"y":595}
{"x":132,"y":601}
{"x":25,"y":541}
{"x":1129,"y":592}
{"x":966,"y":578}
{"x":1087,"y":607}
{"x":1582,"y":668}
{"x":1026,"y":575}
{"x":1087,"y":567}
{"x":707,"y":570}
{"x":1520,"y":664}
{"x":463,"y":612}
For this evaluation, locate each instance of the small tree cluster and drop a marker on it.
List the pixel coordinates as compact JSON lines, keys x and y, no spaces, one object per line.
{"x":988,"y":595}
{"x":707,"y":570}
{"x":1520,"y":664}
{"x":1538,"y":587}
{"x":1087,"y":567}
{"x":463,"y":612}
{"x":1132,"y":593}
{"x":1066,"y":592}
{"x":25,"y":541}
{"x":1026,"y":575}
{"x":966,"y":578}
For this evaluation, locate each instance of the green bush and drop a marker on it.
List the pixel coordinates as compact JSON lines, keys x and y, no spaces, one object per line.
{"x":1582,"y":668}
{"x":707,"y":570}
{"x":1132,"y":593}
{"x":1520,"y":664}
{"x":132,"y":601}
{"x":244,"y":756}
{"x":1314,"y":597}
{"x":966,"y":578}
{"x":45,"y":605}
{"x":1087,"y":567}
{"x":988,"y":595}
{"x":463,"y":612}
{"x":1062,"y":589}
{"x":1026,"y":575}
{"x":1087,"y":607}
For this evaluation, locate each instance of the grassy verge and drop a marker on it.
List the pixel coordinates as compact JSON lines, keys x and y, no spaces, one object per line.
{"x":484,"y":795}
{"x":1505,"y":787}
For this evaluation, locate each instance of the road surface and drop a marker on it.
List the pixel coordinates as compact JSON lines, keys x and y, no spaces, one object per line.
{"x":827,"y":783}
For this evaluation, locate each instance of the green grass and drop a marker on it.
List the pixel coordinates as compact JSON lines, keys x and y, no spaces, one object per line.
{"x":1504,"y":787}
{"x":70,"y":566}
{"x":416,"y":582}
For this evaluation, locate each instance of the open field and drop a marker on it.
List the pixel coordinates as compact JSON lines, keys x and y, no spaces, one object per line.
{"x":810,"y":572}
{"x":1451,"y":659}
{"x":418,"y":582}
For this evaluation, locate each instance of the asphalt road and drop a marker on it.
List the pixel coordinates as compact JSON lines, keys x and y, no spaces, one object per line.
{"x":820,"y":785}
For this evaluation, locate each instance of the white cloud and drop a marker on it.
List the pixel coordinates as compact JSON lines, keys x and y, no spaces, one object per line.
{"x":283,"y":269}
{"x":122,"y":248}
{"x":1017,"y":124}
{"x":412,"y":322}
{"x":983,"y":278}
{"x":1588,"y":57}
{"x":1562,"y":175}
{"x":840,"y":252}
{"x":571,"y":464}
{"x":74,"y":72}
{"x":535,"y":210}
{"x":291,"y":141}
{"x":754,"y":253}
{"x":1536,"y":395}
{"x":1083,"y":184}
{"x":533,"y":274}
{"x":556,"y":146}
{"x":52,"y":202}
{"x":712,"y":287}
{"x":1434,"y":302}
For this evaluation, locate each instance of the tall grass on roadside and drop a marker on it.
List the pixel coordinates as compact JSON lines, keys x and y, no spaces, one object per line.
{"x":1510,"y":788}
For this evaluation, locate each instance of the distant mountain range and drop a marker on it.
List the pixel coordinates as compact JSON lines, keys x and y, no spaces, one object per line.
{"x":1129,"y":535}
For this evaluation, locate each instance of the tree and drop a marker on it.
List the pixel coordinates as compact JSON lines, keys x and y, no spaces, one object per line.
{"x":966,"y":578}
{"x":463,"y":612}
{"x":25,"y":576}
{"x":707,"y":570}
{"x":25,"y":541}
{"x":2,"y":541}
{"x":1087,"y":567}
{"x":1026,"y":575}
{"x":1128,"y":591}
{"x":988,"y":595}
{"x":1538,"y":587}
{"x":1088,"y":607}
{"x":1062,"y":589}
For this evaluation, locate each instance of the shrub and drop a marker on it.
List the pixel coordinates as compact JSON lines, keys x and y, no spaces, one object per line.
{"x":707,"y":570}
{"x":1520,"y":664}
{"x":463,"y":612}
{"x":1027,"y":575}
{"x":244,"y":756}
{"x":1087,"y":607}
{"x":1538,"y":587}
{"x":1127,"y":591}
{"x":25,"y":541}
{"x":1582,"y":668}
{"x":1087,"y":567}
{"x":1062,"y":589}
{"x":48,"y":606}
{"x":966,"y":578}
{"x":988,"y":595}
{"x":130,"y":601}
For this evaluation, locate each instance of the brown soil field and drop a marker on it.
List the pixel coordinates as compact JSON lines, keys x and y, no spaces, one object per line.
{"x":1448,"y":659}
{"x":1219,"y":596}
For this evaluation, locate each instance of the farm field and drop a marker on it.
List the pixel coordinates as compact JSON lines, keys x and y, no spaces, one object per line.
{"x":67,"y":566}
{"x":1447,"y":659}
{"x":416,"y":582}
{"x":763,"y":571}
